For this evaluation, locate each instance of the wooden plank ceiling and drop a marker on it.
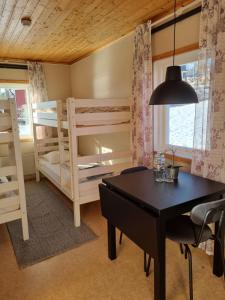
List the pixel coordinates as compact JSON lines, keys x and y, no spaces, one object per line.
{"x":66,"y":30}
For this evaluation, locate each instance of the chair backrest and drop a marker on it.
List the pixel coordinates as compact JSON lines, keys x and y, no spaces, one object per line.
{"x":133,"y":170}
{"x":209,"y":212}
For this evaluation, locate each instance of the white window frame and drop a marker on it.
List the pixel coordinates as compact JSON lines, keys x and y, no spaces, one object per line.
{"x":22,"y":86}
{"x":161,"y":111}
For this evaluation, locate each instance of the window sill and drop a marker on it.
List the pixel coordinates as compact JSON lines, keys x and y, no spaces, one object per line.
{"x":179,"y":159}
{"x":26,"y":138}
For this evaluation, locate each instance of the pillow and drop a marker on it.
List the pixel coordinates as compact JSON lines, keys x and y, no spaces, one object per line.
{"x":52,"y":157}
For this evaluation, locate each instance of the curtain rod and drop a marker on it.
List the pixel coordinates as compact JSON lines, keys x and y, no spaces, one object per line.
{"x":13,"y":66}
{"x":177,"y":19}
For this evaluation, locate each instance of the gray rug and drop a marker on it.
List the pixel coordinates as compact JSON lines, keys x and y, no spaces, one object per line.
{"x":51,"y":226}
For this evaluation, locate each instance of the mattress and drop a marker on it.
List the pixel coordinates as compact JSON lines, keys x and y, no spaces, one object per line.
{"x":53,"y":170}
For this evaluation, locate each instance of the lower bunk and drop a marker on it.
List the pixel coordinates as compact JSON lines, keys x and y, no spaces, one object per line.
{"x":83,"y":190}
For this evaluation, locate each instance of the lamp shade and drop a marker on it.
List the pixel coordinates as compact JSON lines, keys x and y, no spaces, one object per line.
{"x":173,"y":90}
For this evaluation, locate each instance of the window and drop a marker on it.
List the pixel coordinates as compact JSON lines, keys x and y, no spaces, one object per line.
{"x":174,"y":124}
{"x":181,"y":118}
{"x":20,"y":93}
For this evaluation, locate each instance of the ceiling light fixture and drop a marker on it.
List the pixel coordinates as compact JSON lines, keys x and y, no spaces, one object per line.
{"x":173,"y":90}
{"x":26,"y":21}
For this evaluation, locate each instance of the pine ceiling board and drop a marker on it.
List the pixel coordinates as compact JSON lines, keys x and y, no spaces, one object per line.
{"x":66,"y":30}
{"x":35,"y":8}
{"x":31,"y":5}
{"x":6,"y":16}
{"x":45,"y":50}
{"x":39,"y":16}
{"x":16,"y":15}
{"x":2,"y":6}
{"x":110,"y":25}
{"x":76,"y":27}
{"x":48,"y":15}
{"x":55,"y":21}
{"x":107,"y":34}
{"x":33,"y":44}
{"x":48,"y":19}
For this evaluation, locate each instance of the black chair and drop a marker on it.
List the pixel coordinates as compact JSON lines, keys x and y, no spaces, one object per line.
{"x":194,"y":229}
{"x":147,"y":260}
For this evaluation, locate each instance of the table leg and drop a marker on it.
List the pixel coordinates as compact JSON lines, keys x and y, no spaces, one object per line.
{"x":218,"y":261}
{"x":160,"y":268}
{"x":111,"y":241}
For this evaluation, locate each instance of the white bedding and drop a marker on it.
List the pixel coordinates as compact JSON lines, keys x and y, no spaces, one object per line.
{"x":54,"y":171}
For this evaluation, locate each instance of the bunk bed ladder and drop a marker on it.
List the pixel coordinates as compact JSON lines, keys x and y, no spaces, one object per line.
{"x":17,"y":157}
{"x":13,"y":199}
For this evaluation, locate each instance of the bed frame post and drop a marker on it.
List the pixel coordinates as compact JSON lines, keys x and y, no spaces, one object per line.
{"x":36,"y":153}
{"x":74,"y":159}
{"x":59,"y":133}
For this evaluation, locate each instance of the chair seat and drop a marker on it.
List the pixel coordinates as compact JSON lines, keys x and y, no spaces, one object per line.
{"x":182,"y":230}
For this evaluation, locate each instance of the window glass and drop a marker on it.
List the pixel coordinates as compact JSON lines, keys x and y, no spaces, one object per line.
{"x":181,"y":118}
{"x":23,"y":109}
{"x":174,"y":125}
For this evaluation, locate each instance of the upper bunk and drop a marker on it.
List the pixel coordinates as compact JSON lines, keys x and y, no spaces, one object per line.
{"x":89,"y":116}
{"x":98,"y":116}
{"x":50,"y":113}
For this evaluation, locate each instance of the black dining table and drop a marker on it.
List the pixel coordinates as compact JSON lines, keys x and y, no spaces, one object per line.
{"x":140,"y":207}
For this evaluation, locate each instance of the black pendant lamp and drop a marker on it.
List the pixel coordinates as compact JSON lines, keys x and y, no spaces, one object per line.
{"x":173,"y":90}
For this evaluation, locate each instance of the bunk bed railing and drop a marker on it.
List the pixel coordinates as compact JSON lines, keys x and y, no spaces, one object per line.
{"x":99,"y":116}
{"x":6,"y":138}
{"x":45,"y":145}
{"x":82,"y":103}
{"x":102,"y":118}
{"x":7,"y":171}
{"x":5,"y":122}
{"x":45,"y":105}
{"x":4,"y":104}
{"x":101,"y":170}
{"x":91,"y":130}
{"x":103,"y":157}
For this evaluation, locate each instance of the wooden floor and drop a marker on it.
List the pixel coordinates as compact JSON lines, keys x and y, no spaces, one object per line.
{"x":86,"y":273}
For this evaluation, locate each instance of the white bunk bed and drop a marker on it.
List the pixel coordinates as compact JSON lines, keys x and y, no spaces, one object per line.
{"x":12,"y":191}
{"x":78,"y":176}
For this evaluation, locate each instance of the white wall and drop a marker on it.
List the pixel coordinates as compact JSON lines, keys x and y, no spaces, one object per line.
{"x":58,"y":81}
{"x":58,"y":86}
{"x":107,"y":73}
{"x":187,"y":33}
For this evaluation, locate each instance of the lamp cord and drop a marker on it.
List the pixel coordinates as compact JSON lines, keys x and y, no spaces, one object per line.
{"x":174,"y":30}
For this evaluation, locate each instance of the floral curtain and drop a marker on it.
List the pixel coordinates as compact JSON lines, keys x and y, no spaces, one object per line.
{"x":209,"y":136}
{"x":38,"y":89}
{"x":141,"y":112}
